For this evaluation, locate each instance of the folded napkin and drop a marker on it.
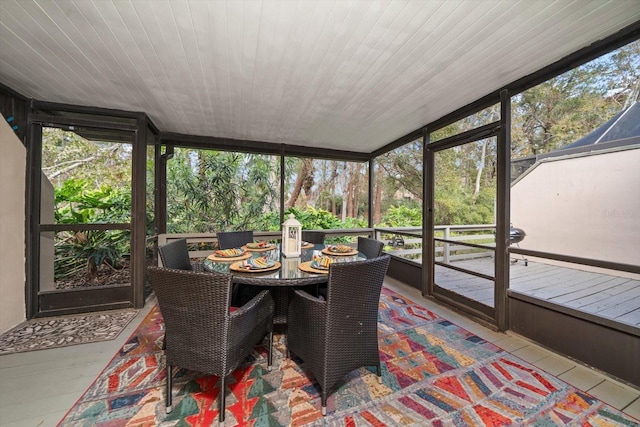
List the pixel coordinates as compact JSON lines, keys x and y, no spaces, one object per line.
{"x":340,"y":248}
{"x":229,"y":252}
{"x":321,"y":262}
{"x":257,"y":263}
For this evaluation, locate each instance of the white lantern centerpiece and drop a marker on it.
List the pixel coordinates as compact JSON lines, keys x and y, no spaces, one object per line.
{"x":291,"y":237}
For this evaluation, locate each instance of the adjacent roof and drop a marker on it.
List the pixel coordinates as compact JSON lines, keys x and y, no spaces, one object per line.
{"x":624,"y":125}
{"x":622,"y":130}
{"x":348,"y":75}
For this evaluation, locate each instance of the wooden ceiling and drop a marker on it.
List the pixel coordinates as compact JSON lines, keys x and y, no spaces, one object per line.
{"x":345,"y":75}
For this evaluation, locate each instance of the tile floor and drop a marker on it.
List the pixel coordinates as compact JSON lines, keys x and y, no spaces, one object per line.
{"x":38,"y":388}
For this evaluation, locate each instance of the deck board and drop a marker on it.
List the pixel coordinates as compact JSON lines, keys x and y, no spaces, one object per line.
{"x":592,"y":291}
{"x":611,"y":292}
{"x":608,"y":296}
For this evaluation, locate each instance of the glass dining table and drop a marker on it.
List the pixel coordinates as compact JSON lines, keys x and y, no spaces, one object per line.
{"x":284,"y":273}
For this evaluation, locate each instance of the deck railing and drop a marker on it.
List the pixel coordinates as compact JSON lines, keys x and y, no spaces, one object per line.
{"x":453,"y":242}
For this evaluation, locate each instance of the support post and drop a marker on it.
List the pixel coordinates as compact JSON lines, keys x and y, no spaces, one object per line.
{"x":503,"y":205}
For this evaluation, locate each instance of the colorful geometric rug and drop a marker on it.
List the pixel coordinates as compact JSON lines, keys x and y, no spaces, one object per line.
{"x":51,"y":332}
{"x":434,"y":373}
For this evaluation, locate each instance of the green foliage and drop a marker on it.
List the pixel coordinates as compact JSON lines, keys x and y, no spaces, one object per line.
{"x":75,"y":204}
{"x":402,"y":216}
{"x":354,"y":223}
{"x":88,"y":250}
{"x":315,"y":219}
{"x":210,"y":191}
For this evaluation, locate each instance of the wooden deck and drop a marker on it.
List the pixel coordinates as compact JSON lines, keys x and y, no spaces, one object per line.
{"x":606,"y":296}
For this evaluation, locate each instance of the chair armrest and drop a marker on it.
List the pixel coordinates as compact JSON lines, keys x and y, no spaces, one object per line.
{"x":307,"y":310}
{"x":256,"y":303}
{"x":307,"y":326}
{"x":307,"y":296}
{"x":256,"y":316}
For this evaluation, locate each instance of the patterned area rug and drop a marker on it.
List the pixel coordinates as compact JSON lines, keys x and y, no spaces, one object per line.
{"x":434,"y":373}
{"x":52,"y":332}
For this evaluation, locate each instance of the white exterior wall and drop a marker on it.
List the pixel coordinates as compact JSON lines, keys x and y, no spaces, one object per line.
{"x":587,"y":206}
{"x":12,"y":232}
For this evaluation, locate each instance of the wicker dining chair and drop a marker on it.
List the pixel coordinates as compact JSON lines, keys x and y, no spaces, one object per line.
{"x":371,"y":248}
{"x":201,"y":332}
{"x":315,"y":237}
{"x":176,"y":255}
{"x":336,"y":336}
{"x":234,"y":239}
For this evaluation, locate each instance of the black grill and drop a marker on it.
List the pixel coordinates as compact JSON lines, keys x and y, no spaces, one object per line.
{"x":516,"y":235}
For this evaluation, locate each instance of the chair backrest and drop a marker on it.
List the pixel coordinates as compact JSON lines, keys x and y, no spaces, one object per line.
{"x":313,"y":236}
{"x":234,"y":239}
{"x":369,"y":247}
{"x":195,"y":308}
{"x":353,"y":293}
{"x":175,"y":255}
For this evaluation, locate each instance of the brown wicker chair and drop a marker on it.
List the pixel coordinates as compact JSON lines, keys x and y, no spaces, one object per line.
{"x":201,"y":334}
{"x":336,"y":336}
{"x":315,"y":237}
{"x":371,"y":248}
{"x":234,"y":239}
{"x":176,"y":255}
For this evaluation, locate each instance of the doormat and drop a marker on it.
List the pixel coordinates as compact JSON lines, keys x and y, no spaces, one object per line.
{"x":61,"y":331}
{"x":433,"y":373}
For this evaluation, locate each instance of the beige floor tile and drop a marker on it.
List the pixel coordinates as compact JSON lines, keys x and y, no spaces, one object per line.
{"x":531,"y":353}
{"x":555,"y":364}
{"x":616,"y":395}
{"x":511,"y":344}
{"x":582,"y":378}
{"x":633,"y":409}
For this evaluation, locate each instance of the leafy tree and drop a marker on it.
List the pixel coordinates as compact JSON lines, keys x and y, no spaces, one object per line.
{"x":211,"y":191}
{"x":569,"y":106}
{"x":398,"y":181}
{"x":66,"y":154}
{"x":337,"y":186}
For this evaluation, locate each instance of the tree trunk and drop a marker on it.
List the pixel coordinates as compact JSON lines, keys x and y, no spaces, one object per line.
{"x":301,"y":180}
{"x":377,"y":199}
{"x":480,"y":168}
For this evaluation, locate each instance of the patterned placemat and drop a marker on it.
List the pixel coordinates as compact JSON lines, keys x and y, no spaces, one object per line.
{"x":62,"y":331}
{"x":306,"y":267}
{"x":328,"y":252}
{"x":213,"y":257}
{"x":237,"y":266}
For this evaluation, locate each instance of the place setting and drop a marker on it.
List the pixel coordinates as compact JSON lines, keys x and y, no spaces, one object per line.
{"x":319,"y":264}
{"x":229,"y":255}
{"x":255,"y":265}
{"x":340,"y":250}
{"x":261,"y":246}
